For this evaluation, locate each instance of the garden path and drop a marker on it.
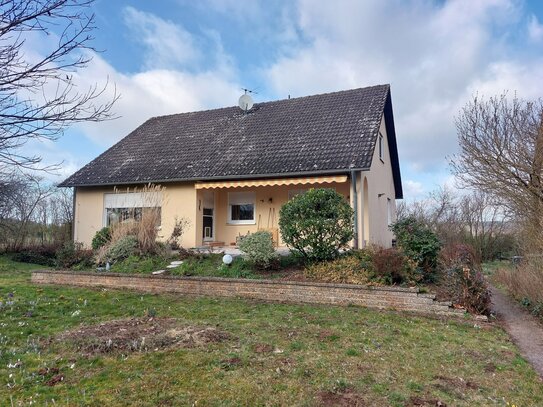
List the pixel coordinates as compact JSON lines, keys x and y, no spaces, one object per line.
{"x":524,"y":329}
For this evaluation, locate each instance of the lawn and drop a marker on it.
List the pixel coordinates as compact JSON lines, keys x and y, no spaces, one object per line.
{"x":275,"y":354}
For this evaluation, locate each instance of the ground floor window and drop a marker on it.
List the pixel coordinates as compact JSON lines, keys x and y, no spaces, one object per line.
{"x":119,"y":215}
{"x":131,"y":206}
{"x":241,"y":207}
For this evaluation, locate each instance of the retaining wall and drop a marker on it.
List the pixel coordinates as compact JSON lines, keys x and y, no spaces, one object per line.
{"x":397,"y":298}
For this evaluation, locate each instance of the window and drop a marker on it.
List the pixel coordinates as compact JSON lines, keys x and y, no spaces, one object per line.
{"x":241,"y":208}
{"x":381,"y":147}
{"x":119,"y":215}
{"x":131,"y":206}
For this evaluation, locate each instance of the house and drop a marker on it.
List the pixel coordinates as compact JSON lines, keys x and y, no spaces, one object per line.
{"x":229,"y":171}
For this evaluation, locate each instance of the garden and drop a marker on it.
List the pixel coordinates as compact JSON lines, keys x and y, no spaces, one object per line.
{"x":317,"y":226}
{"x":79,"y":346}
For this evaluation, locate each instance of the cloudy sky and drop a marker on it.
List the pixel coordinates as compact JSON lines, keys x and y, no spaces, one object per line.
{"x":177,"y":56}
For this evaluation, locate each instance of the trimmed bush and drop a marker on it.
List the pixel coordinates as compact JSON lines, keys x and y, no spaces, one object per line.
{"x":101,"y":238}
{"x":259,"y":250}
{"x":44,"y":255}
{"x":317,"y":224}
{"x":122,"y":249}
{"x":418,"y":243}
{"x":345,"y":270}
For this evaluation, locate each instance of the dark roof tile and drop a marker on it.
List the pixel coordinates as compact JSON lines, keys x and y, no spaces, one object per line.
{"x":321,"y":133}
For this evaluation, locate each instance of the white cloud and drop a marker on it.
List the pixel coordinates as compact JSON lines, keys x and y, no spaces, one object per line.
{"x":535,"y":29}
{"x":435,"y":55}
{"x":168,"y":44}
{"x":413,"y":189}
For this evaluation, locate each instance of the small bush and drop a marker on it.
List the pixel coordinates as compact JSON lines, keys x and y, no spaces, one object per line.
{"x":317,"y":224}
{"x":463,"y":279}
{"x":101,"y":238}
{"x":179,"y":227}
{"x":72,"y":254}
{"x":418,"y":243}
{"x":391,"y":266}
{"x":346,"y":270}
{"x":123,"y":248}
{"x":469,"y":289}
{"x":259,"y":250}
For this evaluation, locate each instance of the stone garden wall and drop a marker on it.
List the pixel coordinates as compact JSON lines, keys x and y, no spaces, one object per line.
{"x":397,"y":298}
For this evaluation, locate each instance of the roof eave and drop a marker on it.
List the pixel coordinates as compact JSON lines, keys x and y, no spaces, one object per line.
{"x":67,"y":184}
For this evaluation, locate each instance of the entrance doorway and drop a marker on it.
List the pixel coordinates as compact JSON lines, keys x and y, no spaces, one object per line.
{"x":208,"y":211}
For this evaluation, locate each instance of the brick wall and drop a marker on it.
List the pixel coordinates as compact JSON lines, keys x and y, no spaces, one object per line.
{"x":403,"y":299}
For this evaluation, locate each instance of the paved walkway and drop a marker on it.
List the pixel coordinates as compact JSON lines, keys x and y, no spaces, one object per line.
{"x":524,"y":329}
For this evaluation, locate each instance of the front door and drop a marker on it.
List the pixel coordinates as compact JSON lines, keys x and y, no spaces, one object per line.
{"x":208,"y":224}
{"x":208,"y":212}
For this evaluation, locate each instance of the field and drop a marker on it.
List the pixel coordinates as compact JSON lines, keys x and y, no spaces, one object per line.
{"x":201,"y":351}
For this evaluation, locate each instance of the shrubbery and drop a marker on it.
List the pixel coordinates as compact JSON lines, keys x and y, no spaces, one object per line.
{"x":464,"y":280}
{"x":122,"y":249}
{"x":259,"y":250}
{"x":44,"y":255}
{"x":346,"y":270}
{"x":418,"y":243}
{"x":317,"y":224}
{"x":101,"y":238}
{"x":73,"y":255}
{"x":391,"y":266}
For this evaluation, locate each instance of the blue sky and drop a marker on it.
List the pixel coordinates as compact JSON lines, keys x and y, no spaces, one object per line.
{"x":172,"y":56}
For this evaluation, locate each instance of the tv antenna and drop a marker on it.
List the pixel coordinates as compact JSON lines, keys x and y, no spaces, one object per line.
{"x":245,"y":101}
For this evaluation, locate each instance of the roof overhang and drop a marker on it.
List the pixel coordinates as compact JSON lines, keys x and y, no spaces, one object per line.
{"x":272,"y":182}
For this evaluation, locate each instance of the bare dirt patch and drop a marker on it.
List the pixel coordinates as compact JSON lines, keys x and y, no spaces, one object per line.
{"x":345,"y":398}
{"x":139,"y":335}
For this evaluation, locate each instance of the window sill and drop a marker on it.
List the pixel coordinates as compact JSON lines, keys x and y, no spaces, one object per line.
{"x":241,"y":222}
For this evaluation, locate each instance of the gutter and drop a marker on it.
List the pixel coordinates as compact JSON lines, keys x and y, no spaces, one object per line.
{"x":219,"y":178}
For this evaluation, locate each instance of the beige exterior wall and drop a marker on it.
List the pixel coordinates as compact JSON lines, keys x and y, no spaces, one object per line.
{"x":179,"y":200}
{"x":184,"y":201}
{"x":373,"y":211}
{"x":268,"y":203}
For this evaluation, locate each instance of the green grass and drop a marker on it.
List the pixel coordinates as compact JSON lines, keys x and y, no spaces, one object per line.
{"x":384,"y":358}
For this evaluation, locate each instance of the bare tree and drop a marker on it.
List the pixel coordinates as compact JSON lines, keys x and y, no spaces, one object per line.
{"x":38,"y":96}
{"x":501,"y":154}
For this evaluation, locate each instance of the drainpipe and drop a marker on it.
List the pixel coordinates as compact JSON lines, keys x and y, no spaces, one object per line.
{"x":355,"y":207}
{"x":73,"y":215}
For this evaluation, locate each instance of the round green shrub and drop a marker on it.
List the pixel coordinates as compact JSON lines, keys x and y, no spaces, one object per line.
{"x":258,"y":249}
{"x":101,"y":238}
{"x":317,"y":224}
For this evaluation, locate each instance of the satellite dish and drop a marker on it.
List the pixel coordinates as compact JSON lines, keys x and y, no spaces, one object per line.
{"x":245,"y":102}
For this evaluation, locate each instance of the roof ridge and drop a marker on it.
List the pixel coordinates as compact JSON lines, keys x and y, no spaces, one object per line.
{"x":387,"y":85}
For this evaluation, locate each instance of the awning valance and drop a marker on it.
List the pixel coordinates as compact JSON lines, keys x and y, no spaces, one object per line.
{"x":271,"y":182}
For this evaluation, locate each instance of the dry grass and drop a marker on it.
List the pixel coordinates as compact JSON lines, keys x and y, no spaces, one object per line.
{"x":523,"y":282}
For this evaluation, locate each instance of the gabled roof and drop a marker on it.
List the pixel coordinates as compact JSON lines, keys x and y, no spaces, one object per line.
{"x":321,"y":134}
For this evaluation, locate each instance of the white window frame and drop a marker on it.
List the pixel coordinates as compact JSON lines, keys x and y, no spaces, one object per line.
{"x":241,"y":198}
{"x":381,"y":147}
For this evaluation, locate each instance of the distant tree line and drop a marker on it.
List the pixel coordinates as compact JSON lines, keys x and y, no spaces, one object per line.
{"x":475,"y":219}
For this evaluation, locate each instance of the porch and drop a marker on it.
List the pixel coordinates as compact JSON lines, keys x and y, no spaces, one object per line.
{"x":228,"y":211}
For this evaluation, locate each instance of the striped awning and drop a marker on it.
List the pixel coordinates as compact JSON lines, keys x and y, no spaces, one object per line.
{"x":271,"y":182}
